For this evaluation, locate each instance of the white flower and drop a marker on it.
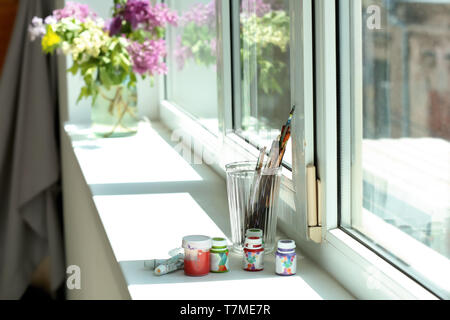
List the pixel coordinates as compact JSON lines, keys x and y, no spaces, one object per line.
{"x":65,"y":47}
{"x":100,"y":22}
{"x":36,"y":28}
{"x":90,"y":43}
{"x":50,"y":20}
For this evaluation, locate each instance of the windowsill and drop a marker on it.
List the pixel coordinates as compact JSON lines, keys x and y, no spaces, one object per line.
{"x":148,"y":197}
{"x":409,"y":252}
{"x":382,"y":280}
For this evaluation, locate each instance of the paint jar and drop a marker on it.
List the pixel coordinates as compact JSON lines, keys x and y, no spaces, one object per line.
{"x":196,"y":255}
{"x":253,"y":254}
{"x":286,"y":258}
{"x":219,"y":256}
{"x":254,"y":233}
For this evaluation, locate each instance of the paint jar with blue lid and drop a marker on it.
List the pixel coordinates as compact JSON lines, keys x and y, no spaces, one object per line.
{"x":286,"y":258}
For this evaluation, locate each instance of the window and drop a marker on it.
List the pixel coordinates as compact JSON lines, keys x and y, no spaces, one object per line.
{"x":395,"y":133}
{"x":260,"y":63}
{"x":237,"y":66}
{"x":262,"y":69}
{"x":192,"y":61}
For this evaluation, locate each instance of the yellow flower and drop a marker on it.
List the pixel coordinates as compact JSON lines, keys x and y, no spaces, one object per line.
{"x":50,"y":40}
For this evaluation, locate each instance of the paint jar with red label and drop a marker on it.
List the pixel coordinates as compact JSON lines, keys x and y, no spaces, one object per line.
{"x":253,"y":254}
{"x":196,"y":255}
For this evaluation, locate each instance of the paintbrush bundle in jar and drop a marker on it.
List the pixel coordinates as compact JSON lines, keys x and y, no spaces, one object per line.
{"x":266,"y":183}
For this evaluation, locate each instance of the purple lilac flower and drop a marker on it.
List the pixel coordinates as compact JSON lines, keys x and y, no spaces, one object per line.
{"x":163,"y":15}
{"x":182,"y":53}
{"x":258,"y":7}
{"x":141,"y":14}
{"x":147,"y":57}
{"x":201,"y":14}
{"x":74,"y":10}
{"x":137,"y":12}
{"x":114,"y":25}
{"x":36,"y":29}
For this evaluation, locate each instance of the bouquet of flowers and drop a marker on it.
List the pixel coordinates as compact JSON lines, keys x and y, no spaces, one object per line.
{"x":130,"y":43}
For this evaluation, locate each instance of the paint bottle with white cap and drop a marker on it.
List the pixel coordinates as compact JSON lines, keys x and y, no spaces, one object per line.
{"x":253,"y":254}
{"x":219,"y":256}
{"x":286,"y":258}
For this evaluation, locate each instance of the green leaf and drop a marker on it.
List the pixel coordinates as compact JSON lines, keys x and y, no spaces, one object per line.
{"x":83,"y":93}
{"x":74,"y":69}
{"x":105,"y":77}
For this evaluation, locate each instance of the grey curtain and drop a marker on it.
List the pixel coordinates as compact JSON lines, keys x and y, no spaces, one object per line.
{"x":30,"y":195}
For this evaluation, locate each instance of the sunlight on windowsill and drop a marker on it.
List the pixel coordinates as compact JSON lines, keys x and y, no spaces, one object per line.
{"x":116,"y":161}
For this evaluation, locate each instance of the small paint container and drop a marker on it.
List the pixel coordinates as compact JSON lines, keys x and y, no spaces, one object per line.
{"x":196,"y":255}
{"x":286,"y":258}
{"x":253,"y":254}
{"x":219,"y":256}
{"x":254,"y":233}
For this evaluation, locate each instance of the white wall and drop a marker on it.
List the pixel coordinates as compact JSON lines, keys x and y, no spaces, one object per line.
{"x":86,"y":243}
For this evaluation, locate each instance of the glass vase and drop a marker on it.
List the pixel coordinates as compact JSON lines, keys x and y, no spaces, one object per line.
{"x":115,"y":113}
{"x":253,"y":202}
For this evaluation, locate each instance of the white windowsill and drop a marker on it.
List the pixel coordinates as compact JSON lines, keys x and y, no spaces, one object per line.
{"x":419,"y":257}
{"x":382,"y":280}
{"x":148,"y":197}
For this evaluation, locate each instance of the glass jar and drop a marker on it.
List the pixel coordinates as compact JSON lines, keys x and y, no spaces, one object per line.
{"x":286,"y":258}
{"x":196,"y":255}
{"x":253,"y":198}
{"x":253,"y":254}
{"x":115,"y":112}
{"x":219,"y":256}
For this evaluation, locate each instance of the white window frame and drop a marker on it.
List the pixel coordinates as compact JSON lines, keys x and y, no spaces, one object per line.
{"x":359,"y":269}
{"x":351,"y":168}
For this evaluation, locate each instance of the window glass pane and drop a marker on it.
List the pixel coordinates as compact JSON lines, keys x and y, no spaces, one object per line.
{"x":192,"y":60}
{"x":264,"y":75}
{"x":406,"y":136}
